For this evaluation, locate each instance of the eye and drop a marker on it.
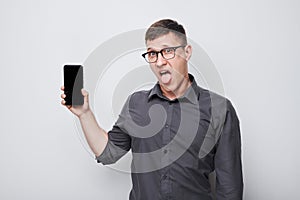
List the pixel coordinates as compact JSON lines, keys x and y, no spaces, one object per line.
{"x":152,"y":54}
{"x":168,"y":51}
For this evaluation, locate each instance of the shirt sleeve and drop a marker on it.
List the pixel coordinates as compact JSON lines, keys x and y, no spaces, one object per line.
{"x":119,"y":142}
{"x":117,"y":146}
{"x":228,"y":165}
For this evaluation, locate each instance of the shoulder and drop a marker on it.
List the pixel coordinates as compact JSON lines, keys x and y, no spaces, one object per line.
{"x":220,"y":106}
{"x":217,"y":101}
{"x":138,"y":98}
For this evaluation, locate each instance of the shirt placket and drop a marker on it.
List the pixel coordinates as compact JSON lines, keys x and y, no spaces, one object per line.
{"x":166,"y":186}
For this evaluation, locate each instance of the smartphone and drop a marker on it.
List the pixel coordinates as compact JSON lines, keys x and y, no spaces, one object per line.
{"x":73,"y":83}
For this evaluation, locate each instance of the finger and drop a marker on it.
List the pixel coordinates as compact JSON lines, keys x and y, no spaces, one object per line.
{"x":86,"y":95}
{"x":62,"y":88}
{"x":63,"y":96}
{"x":63,"y":102}
{"x":84,"y":92}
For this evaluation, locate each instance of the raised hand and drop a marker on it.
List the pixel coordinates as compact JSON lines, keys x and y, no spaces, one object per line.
{"x":77,"y":110}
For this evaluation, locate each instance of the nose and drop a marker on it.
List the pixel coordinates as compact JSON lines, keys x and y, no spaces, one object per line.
{"x":160,"y":60}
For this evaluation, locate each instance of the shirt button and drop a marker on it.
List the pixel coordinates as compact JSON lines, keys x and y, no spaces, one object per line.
{"x":165,"y":151}
{"x":167,"y":126}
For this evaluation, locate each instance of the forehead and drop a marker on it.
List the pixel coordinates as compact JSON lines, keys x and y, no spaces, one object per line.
{"x":167,"y":40}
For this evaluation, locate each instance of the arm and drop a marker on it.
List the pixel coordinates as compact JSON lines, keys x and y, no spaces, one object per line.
{"x":96,"y":137}
{"x":228,"y":165}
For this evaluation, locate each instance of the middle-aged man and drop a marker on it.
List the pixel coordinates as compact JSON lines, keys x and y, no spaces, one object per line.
{"x":177,"y":131}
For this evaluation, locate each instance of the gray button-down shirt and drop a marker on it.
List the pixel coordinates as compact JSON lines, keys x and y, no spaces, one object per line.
{"x":177,"y":143}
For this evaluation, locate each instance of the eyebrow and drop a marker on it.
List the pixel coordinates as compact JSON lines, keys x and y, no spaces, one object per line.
{"x":164,"y":46}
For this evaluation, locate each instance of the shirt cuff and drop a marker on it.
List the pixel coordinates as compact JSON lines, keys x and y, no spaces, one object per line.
{"x":110,"y":154}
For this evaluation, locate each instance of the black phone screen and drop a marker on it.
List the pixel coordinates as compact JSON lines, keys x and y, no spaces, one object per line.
{"x":73,"y":83}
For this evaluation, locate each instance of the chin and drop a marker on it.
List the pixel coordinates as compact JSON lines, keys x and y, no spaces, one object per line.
{"x":168,"y":88}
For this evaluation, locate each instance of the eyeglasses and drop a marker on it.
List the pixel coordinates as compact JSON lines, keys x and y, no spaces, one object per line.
{"x":167,"y":53}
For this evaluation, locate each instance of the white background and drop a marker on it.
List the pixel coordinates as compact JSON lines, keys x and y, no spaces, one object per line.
{"x":254,"y":45}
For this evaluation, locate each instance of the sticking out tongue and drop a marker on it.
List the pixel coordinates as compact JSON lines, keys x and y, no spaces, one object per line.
{"x":165,"y":78}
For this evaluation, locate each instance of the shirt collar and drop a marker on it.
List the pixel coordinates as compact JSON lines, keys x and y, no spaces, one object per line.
{"x":191,"y":94}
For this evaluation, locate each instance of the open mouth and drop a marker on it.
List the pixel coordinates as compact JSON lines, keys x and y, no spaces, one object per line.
{"x":165,"y":76}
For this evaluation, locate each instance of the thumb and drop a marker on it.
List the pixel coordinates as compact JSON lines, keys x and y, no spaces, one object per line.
{"x":85,"y":95}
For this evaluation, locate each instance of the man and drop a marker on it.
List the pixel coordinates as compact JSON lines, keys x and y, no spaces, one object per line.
{"x":178,"y":132}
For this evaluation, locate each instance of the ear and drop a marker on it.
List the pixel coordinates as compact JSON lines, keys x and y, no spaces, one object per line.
{"x":188,"y":52}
